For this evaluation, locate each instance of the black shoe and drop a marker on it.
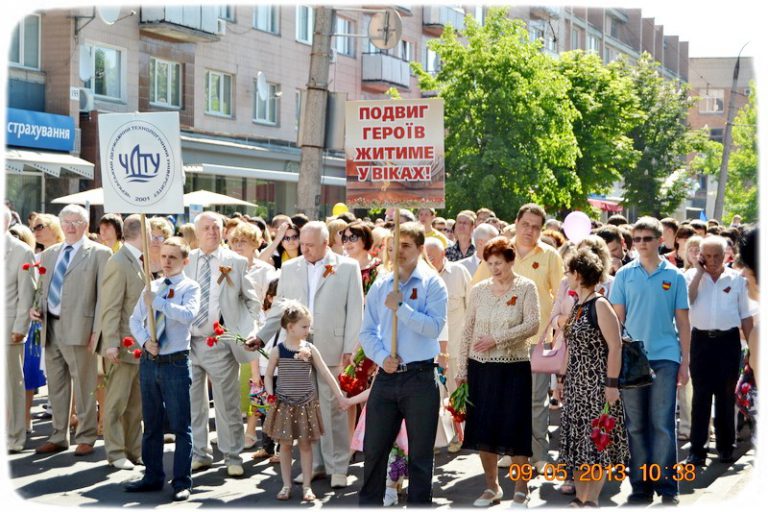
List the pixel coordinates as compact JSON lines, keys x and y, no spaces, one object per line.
{"x":143,"y":486}
{"x":181,"y":495}
{"x":696,"y":460}
{"x":671,"y":501}
{"x":726,"y":458}
{"x":639,"y":498}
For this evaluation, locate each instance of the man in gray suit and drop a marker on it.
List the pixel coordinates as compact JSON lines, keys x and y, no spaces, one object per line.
{"x":71,"y":290}
{"x":227,"y":296}
{"x":480,"y":237}
{"x":121,"y":289}
{"x":19,"y":294}
{"x":332,"y":288}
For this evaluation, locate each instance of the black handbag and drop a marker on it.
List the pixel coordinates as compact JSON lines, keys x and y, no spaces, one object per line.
{"x":636,"y":371}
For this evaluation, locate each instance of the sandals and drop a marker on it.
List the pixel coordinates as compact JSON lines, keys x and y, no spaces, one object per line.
{"x":250,"y":441}
{"x":284,"y":494}
{"x":308,"y":495}
{"x":275,"y":459}
{"x":261,"y":453}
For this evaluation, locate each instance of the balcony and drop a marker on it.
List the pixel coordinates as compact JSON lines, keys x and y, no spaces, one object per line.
{"x":381,"y":71}
{"x":189,"y":24}
{"x":403,"y":9}
{"x":436,"y":17}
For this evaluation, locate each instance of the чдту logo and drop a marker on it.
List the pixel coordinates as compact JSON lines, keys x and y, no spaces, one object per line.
{"x":139,"y":167}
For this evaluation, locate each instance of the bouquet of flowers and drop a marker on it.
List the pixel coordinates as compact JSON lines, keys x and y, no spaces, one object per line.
{"x":458,"y":403}
{"x":40,"y":270}
{"x":602,"y":426}
{"x":398,"y":464}
{"x":746,"y":393}
{"x":125,"y":344}
{"x":261,"y":401}
{"x":220,"y":332}
{"x":354,"y":379}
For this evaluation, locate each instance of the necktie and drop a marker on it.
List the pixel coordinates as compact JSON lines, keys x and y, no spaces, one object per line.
{"x":54,"y":292}
{"x":205,"y":290}
{"x":160,"y":317}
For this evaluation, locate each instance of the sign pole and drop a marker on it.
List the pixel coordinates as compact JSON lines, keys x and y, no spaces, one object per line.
{"x":396,"y":278}
{"x":147,"y":275}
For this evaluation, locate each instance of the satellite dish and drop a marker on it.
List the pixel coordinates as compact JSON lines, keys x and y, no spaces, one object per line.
{"x":385,"y":29}
{"x":86,"y":63}
{"x":262,"y":87}
{"x":108,"y":13}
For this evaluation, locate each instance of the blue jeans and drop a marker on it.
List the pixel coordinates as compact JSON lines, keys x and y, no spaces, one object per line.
{"x":650,"y":423}
{"x":165,"y":392}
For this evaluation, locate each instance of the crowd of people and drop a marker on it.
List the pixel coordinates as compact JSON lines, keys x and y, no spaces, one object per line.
{"x":271,"y":320}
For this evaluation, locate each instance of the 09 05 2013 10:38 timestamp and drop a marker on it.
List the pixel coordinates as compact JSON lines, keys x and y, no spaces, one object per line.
{"x":597,"y":472}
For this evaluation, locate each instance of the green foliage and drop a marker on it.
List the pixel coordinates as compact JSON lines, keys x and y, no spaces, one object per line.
{"x":741,"y":190}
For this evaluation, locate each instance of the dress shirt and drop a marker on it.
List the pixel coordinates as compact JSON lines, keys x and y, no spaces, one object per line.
{"x":420,"y":317}
{"x":214,"y":312}
{"x":75,"y":247}
{"x":314,"y":273}
{"x":179,"y":310}
{"x":720,"y":305}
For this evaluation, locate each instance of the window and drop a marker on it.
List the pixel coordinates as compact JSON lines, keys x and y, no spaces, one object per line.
{"x":712,"y":101}
{"x":406,"y":50}
{"x":266,"y":111}
{"x":107,"y":65}
{"x":227,"y":12}
{"x":265,"y":17}
{"x":432,"y":65}
{"x":536,"y":31}
{"x":343,"y":44}
{"x":218,"y":93}
{"x":305,"y":23}
{"x":593,"y":44}
{"x":575,"y":39}
{"x":25,"y":43}
{"x":716,"y":134}
{"x":164,"y":83}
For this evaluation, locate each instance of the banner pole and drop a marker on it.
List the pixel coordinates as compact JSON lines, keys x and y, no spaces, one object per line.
{"x":147,"y":275}
{"x":396,"y":278}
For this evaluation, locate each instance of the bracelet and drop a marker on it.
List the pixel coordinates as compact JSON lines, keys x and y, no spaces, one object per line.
{"x":444,"y":354}
{"x":612,"y":382}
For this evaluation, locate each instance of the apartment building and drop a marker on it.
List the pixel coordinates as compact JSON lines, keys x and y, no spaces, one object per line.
{"x":210,"y":64}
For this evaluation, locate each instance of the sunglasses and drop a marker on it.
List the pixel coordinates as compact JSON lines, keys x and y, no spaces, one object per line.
{"x":290,"y":238}
{"x":646,"y":239}
{"x":39,"y":227}
{"x":351,"y":238}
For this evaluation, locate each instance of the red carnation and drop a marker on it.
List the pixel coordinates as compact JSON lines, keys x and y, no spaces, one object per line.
{"x":127,"y":341}
{"x":745,"y":388}
{"x":609,"y":423}
{"x":572,"y":293}
{"x":211,"y":341}
{"x":25,"y":266}
{"x":137,"y":353}
{"x":271,"y":399}
{"x":218,"y":329}
{"x":216,"y":325}
{"x":41,"y":270}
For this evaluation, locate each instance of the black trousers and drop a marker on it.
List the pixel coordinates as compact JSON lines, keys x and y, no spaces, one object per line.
{"x":415,"y":397}
{"x":714,"y":367}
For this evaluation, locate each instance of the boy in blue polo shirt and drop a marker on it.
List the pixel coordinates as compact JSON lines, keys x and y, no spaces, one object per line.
{"x":650,"y":297}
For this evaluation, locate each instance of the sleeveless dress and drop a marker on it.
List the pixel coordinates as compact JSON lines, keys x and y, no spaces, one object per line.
{"x":296,"y":413}
{"x":584,"y":394}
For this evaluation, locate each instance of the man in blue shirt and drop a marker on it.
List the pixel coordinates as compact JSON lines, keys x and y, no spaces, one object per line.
{"x":164,"y":372}
{"x":406,"y":385}
{"x":650,"y":296}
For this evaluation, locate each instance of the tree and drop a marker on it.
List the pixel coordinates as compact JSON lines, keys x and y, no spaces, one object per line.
{"x":741,"y":190}
{"x":607,"y":111}
{"x":661,"y":179}
{"x":508,"y":119}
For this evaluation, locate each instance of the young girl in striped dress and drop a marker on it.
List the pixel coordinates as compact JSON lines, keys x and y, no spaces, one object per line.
{"x":295,"y":412}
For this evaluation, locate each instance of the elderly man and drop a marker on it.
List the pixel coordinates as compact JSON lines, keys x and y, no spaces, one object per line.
{"x":122,"y":285}
{"x":462,"y":232}
{"x":719,"y":306}
{"x":71,"y":294}
{"x":480,"y":237}
{"x":19,"y":294}
{"x":227,"y":296}
{"x":331,"y":287}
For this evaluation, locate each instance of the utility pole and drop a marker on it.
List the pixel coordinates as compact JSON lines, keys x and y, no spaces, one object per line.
{"x":313,"y":117}
{"x":721,"y":182}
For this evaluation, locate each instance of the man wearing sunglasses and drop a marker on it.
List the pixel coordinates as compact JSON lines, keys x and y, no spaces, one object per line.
{"x":650,"y":297}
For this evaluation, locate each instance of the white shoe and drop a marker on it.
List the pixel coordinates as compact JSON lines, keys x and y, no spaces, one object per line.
{"x":338,"y":481}
{"x":122,"y":464}
{"x":489,"y":498}
{"x":520,"y":500}
{"x":505,"y":461}
{"x":235,"y":470}
{"x":200,"y":464}
{"x":390,"y":497}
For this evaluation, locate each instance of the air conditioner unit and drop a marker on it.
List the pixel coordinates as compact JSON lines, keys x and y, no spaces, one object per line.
{"x":86,"y":100}
{"x":221,"y":27}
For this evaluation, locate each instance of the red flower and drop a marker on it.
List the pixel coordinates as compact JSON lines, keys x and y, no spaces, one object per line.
{"x":609,"y":423}
{"x":137,"y":353}
{"x":535,"y":265}
{"x":41,"y":270}
{"x":25,"y":266}
{"x":414,"y":295}
{"x":218,"y":329}
{"x":328,"y":271}
{"x":745,"y":388}
{"x":572,"y":293}
{"x":211,"y":341}
{"x":216,"y":325}
{"x":271,"y":399}
{"x":127,"y":341}
{"x":512,"y":301}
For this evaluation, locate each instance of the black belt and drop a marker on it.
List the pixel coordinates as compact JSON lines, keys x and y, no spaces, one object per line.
{"x":166,"y":358}
{"x":716,"y":333}
{"x":416,"y":366}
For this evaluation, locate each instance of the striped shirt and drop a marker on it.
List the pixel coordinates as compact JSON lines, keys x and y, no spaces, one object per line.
{"x":295,"y":386}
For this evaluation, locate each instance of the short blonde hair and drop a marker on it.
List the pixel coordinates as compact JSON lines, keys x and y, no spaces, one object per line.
{"x":334,"y":227}
{"x":246,"y":231}
{"x":187,"y":231}
{"x":52,"y":222}
{"x":177,"y":241}
{"x":161,"y":224}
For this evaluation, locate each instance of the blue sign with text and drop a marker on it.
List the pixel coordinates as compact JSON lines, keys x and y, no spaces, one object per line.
{"x":40,"y":130}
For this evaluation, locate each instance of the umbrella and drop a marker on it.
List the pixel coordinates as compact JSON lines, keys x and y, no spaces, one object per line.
{"x":206,"y":198}
{"x":92,"y":197}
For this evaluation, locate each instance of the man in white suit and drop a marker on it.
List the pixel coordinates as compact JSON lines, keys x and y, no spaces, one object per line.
{"x":227,"y":296}
{"x":332,"y":288}
{"x":19,"y":294}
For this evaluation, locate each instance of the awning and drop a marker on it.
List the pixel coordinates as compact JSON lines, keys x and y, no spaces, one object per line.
{"x":262,"y":174}
{"x":20,"y":160}
{"x":607,"y":206}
